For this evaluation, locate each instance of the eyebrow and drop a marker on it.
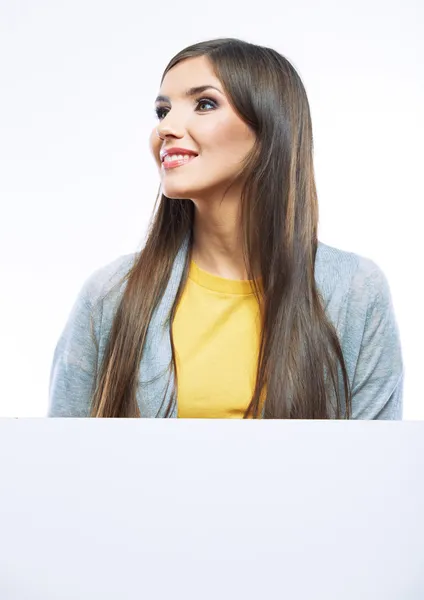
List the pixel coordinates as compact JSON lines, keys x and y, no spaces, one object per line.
{"x":193,"y":91}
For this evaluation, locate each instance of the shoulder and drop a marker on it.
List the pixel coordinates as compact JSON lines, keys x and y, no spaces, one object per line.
{"x":348,"y":275}
{"x":108,"y":281}
{"x":98,"y":299}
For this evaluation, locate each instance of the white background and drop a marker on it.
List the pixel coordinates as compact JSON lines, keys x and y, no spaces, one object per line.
{"x":77,"y":185}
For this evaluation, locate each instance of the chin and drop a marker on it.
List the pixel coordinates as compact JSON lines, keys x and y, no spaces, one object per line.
{"x":183,"y":192}
{"x":176,"y":194}
{"x":176,"y":191}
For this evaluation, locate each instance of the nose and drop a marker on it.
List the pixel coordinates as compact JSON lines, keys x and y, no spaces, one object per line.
{"x":168,"y":127}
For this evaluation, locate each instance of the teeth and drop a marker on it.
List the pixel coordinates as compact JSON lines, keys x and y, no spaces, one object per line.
{"x":170,"y":157}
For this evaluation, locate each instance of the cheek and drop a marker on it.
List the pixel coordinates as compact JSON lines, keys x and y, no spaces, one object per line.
{"x":231,"y":140}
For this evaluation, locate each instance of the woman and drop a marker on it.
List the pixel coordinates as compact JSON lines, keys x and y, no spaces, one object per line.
{"x":233,"y":308}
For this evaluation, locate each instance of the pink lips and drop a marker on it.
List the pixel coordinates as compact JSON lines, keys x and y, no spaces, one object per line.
{"x":171,"y":164}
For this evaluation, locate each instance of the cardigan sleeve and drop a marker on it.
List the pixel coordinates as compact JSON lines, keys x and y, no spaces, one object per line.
{"x":377,"y":387}
{"x":74,"y":365}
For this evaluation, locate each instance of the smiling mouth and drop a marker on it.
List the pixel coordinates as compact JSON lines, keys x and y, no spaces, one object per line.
{"x":177,"y":160}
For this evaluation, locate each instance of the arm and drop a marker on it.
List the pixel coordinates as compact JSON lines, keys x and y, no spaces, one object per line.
{"x":377,"y":388}
{"x":74,"y":366}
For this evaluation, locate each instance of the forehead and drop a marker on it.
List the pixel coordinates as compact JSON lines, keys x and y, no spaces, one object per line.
{"x":191,"y":72}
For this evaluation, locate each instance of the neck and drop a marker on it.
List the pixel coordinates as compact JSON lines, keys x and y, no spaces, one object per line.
{"x":217,"y":240}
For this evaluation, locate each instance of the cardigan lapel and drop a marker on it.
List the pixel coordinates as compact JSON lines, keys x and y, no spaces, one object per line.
{"x":156,"y":380}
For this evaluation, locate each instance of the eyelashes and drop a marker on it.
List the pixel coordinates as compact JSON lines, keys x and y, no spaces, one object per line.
{"x":162,"y":111}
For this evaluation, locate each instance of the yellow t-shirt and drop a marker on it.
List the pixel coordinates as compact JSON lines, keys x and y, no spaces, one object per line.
{"x":216,"y":333}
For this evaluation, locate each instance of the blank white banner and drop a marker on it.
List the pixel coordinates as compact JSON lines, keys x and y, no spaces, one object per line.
{"x":159,"y":509}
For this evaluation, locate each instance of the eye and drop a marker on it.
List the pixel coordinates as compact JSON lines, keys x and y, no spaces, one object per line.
{"x":161,"y":112}
{"x":205,"y":101}
{"x":203,"y":105}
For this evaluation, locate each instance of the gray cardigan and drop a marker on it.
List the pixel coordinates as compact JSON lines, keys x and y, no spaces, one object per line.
{"x":357,"y":300}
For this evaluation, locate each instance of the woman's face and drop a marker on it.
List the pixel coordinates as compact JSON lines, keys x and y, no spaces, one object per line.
{"x":200,"y":121}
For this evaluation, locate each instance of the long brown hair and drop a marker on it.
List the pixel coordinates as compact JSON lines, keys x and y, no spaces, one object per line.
{"x":300,"y":363}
